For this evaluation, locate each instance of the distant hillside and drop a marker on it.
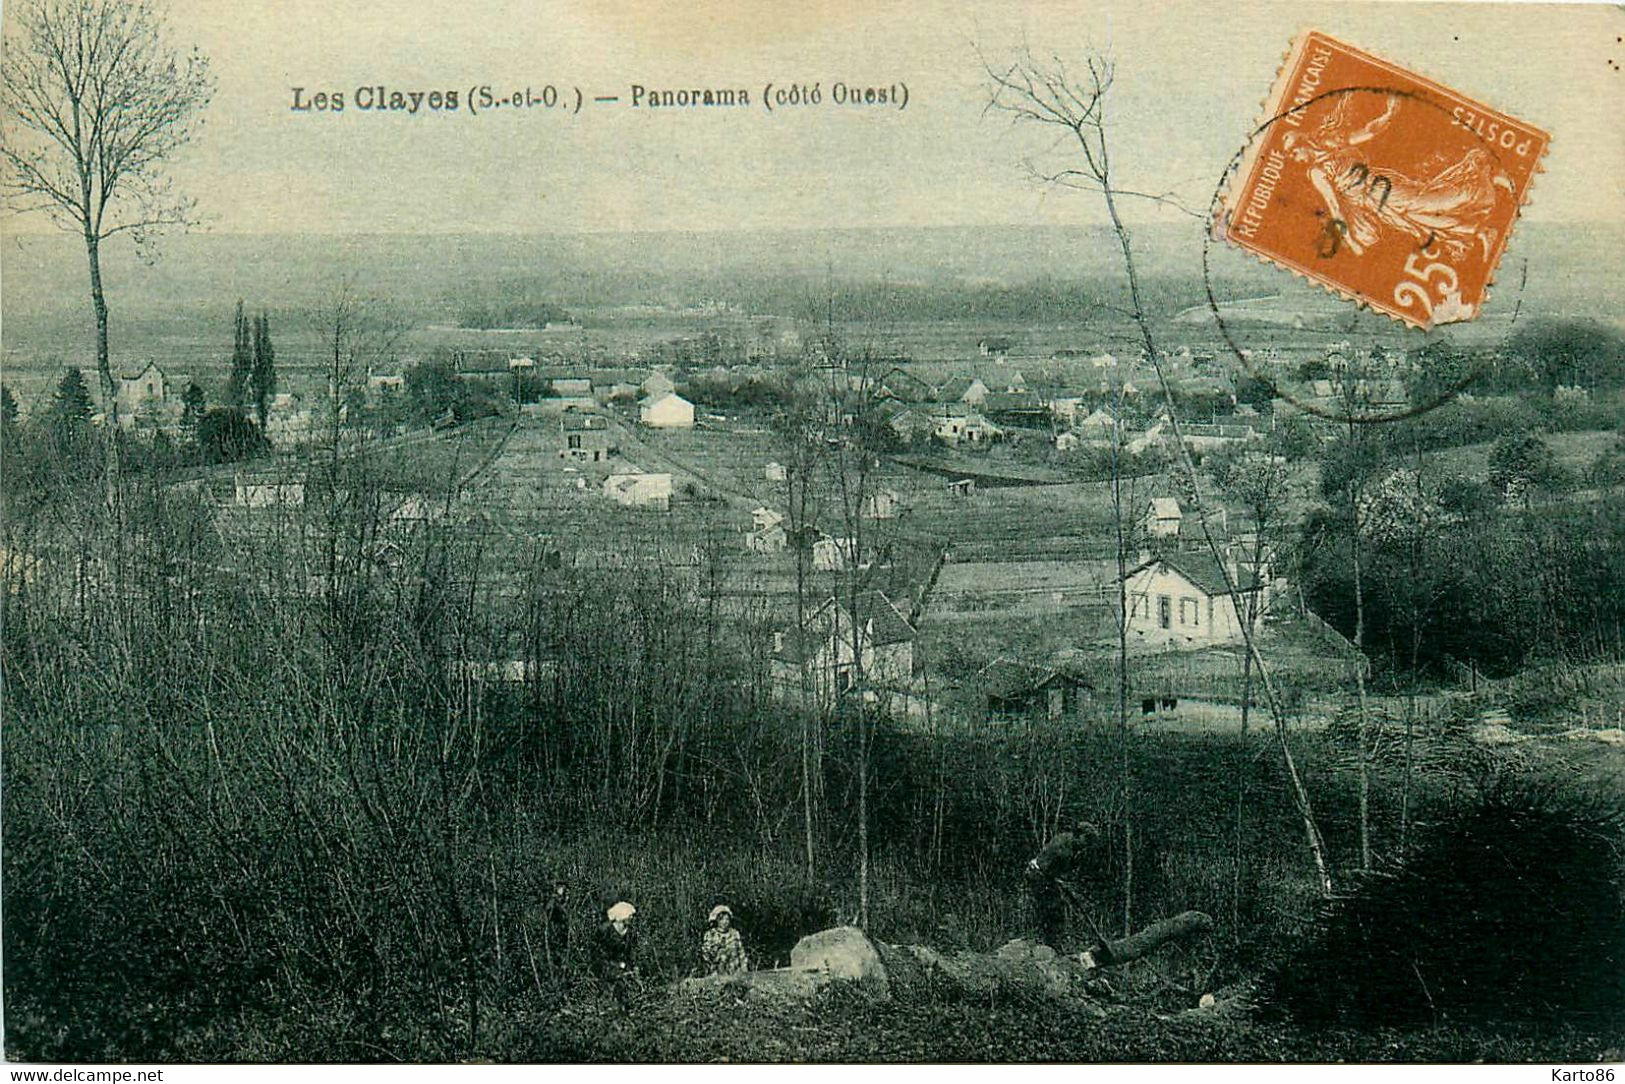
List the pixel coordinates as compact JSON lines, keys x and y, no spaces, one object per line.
{"x":1010,"y":272}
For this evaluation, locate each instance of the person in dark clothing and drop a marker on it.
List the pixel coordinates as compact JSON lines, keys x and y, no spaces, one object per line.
{"x":557,"y":929}
{"x":1052,"y":875}
{"x":615,"y":946}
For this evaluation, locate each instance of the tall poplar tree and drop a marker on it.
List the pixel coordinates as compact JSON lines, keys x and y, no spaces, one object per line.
{"x":262,"y":374}
{"x":242,"y":361}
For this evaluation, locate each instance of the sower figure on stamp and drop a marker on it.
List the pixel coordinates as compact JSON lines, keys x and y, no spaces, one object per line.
{"x":1054,"y":877}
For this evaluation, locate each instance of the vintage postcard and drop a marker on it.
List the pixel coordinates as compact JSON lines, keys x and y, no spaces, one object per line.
{"x":1063,"y":531}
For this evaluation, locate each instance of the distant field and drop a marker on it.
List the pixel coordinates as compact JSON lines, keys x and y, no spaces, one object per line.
{"x":1575,"y":452}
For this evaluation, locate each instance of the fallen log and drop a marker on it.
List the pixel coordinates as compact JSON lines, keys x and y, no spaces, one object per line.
{"x":1153,"y":937}
{"x":845,"y":954}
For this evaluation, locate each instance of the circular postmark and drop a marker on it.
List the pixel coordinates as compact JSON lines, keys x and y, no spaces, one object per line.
{"x":1333,"y":236}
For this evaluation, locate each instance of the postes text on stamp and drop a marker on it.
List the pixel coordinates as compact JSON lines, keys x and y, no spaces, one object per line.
{"x":1383,"y":186}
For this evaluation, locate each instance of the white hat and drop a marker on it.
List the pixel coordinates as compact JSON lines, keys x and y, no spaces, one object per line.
{"x":621,"y":912}
{"x":719,"y":910}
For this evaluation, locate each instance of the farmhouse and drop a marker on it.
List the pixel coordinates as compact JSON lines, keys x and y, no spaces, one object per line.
{"x":1163,"y":517}
{"x":1188,"y":604}
{"x":833,"y":554}
{"x":142,"y":391}
{"x":584,"y":438}
{"x":1064,"y":408}
{"x":1206,"y":438}
{"x":668,"y":411}
{"x":833,"y":648}
{"x":955,"y":423}
{"x":1017,"y":408}
{"x":771,"y":538}
{"x":895,"y":383}
{"x":994,"y":346}
{"x":910,"y":425}
{"x":965,"y":389}
{"x":1015,"y":691}
{"x":652,"y":491}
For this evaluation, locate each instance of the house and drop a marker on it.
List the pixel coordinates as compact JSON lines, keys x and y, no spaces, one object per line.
{"x":765,"y":517}
{"x":668,"y":411}
{"x":965,"y":389}
{"x":1152,"y":435}
{"x":585,"y":438}
{"x":1162,"y":518}
{"x":883,"y":504}
{"x":1015,"y":691}
{"x":1188,"y":604}
{"x":142,"y":394}
{"x":1017,"y":408}
{"x":994,"y":346}
{"x":521,"y":365}
{"x":1015,"y":383}
{"x":962,"y":488}
{"x":1199,"y":437}
{"x":1103,"y":361}
{"x":657,"y":384}
{"x":651,"y":491}
{"x":833,"y":554}
{"x":955,"y":423}
{"x":1097,"y":429}
{"x":910,"y":425}
{"x":775,"y":472}
{"x":771,"y":538}
{"x":1064,"y":408}
{"x":837,"y":647}
{"x":895,"y":383}
{"x":287,"y":420}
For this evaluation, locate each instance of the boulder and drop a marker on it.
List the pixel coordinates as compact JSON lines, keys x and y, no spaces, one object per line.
{"x":841,"y":953}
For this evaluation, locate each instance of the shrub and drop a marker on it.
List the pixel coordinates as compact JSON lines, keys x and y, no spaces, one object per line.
{"x":1510,"y":911}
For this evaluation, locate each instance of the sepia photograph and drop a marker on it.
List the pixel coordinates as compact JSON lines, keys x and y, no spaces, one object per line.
{"x":609,"y":533}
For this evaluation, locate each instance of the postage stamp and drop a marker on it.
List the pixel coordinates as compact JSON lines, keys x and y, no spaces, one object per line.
{"x":1381,"y":185}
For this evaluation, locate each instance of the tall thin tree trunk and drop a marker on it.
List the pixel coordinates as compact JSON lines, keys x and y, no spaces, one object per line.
{"x":1362,"y":735}
{"x":1300,"y":793}
{"x":1125,"y":769}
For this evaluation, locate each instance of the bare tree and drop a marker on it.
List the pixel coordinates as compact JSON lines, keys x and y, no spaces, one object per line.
{"x":1045,"y":93}
{"x":96,"y":101}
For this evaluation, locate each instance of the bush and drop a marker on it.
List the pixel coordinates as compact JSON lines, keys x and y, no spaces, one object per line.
{"x":1512,"y":911}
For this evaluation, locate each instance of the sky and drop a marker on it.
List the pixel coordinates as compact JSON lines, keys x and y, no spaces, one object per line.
{"x":1190,"y":82}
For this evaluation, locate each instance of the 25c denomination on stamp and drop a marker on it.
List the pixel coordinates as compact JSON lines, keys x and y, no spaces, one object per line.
{"x":1382,"y":186}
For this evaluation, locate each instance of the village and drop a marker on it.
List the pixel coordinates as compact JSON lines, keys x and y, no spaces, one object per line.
{"x":984,"y":573}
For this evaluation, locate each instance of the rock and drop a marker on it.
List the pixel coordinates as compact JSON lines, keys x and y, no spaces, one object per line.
{"x":841,"y":953}
{"x":1207,"y":1001}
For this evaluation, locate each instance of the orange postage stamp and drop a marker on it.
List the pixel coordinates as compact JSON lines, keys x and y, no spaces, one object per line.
{"x":1382,"y":186}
